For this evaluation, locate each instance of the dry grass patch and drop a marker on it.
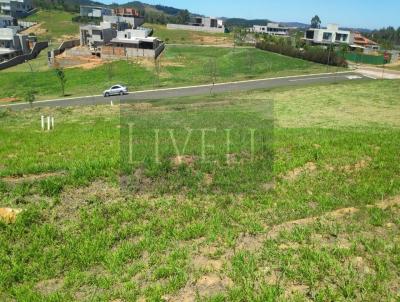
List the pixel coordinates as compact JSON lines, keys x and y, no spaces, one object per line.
{"x":32,"y":177}
{"x":204,"y":287}
{"x":50,"y":286}
{"x":294,"y":174}
{"x":9,"y":215}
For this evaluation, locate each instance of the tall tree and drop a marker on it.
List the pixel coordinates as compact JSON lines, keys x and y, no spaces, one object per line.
{"x":316,"y":22}
{"x":62,"y":79}
{"x":183,"y":17}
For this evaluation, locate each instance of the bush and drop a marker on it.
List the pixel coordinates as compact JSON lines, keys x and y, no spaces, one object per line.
{"x":313,"y":54}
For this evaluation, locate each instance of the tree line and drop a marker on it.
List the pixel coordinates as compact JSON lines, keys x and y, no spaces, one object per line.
{"x":388,"y":37}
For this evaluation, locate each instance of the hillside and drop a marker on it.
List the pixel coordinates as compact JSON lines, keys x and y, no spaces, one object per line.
{"x":73,"y":6}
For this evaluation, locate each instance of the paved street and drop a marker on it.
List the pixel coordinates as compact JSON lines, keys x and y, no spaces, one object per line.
{"x":148,"y":95}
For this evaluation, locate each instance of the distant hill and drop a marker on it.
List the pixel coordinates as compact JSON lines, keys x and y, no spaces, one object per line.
{"x":244,"y":22}
{"x":361,"y":30}
{"x":295,"y":24}
{"x":163,"y":14}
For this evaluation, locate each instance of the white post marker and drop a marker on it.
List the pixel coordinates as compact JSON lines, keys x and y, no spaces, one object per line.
{"x":112,"y":103}
{"x":42,"y":120}
{"x":48,"y":123}
{"x":52,"y":122}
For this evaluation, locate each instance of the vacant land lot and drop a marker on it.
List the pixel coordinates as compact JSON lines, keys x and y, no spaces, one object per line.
{"x":326,"y":228}
{"x":179,"y":65}
{"x":190,"y":37}
{"x":54,"y":25}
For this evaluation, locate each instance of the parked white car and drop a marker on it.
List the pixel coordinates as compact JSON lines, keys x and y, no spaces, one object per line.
{"x":116,"y":90}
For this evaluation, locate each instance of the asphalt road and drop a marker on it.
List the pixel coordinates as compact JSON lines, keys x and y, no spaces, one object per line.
{"x":149,"y":95}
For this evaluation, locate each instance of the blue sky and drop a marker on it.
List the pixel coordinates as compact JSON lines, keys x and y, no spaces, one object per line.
{"x":351,"y":13}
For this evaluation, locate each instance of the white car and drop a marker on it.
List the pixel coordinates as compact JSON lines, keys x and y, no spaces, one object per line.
{"x":116,"y":90}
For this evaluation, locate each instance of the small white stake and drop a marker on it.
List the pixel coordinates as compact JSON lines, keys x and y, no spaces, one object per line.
{"x":42,"y":119}
{"x":52,"y":122}
{"x":112,"y":103}
{"x":48,"y":123}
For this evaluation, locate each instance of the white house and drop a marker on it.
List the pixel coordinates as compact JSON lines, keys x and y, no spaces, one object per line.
{"x":133,"y":43}
{"x":273,"y":29}
{"x":94,"y":11}
{"x":6,"y":21}
{"x":12,"y":44}
{"x":206,"y":24}
{"x":330,"y":35}
{"x":16,"y":8}
{"x":95,"y":36}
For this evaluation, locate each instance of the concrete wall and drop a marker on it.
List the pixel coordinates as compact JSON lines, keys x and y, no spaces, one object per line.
{"x":64,"y":46}
{"x":113,"y":52}
{"x":26,"y":24}
{"x":196,"y":28}
{"x":133,"y":21}
{"x":94,"y":11}
{"x":39,"y":46}
{"x":78,"y":51}
{"x":130,"y":33}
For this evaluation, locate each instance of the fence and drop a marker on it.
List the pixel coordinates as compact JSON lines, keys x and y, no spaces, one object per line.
{"x":39,"y":46}
{"x":196,"y":28}
{"x":26,"y":24}
{"x":114,"y":52}
{"x":64,"y":45}
{"x":365,"y":59}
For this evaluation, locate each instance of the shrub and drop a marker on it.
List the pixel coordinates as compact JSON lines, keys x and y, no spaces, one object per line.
{"x":313,"y":54}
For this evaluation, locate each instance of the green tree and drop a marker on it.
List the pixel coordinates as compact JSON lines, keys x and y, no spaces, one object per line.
{"x":30,"y":97}
{"x":61,"y":77}
{"x":183,"y":17}
{"x":316,"y":22}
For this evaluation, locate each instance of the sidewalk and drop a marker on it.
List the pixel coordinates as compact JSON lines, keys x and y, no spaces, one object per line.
{"x":376,"y":72}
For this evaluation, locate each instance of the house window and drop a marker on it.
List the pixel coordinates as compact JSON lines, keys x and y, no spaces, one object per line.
{"x":327,"y":36}
{"x":310,"y":34}
{"x":341,"y":37}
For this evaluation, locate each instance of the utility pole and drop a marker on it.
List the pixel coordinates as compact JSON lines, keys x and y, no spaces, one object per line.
{"x":329,"y":55}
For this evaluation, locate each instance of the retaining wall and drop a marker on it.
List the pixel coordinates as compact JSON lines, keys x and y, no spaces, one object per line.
{"x":196,"y":28}
{"x":64,"y":46}
{"x":113,"y":52}
{"x":39,"y":46}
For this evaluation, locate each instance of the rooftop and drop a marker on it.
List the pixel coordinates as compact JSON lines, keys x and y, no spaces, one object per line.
{"x":134,"y":40}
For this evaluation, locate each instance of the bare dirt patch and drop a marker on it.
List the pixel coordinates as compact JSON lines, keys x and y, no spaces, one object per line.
{"x":35,"y":29}
{"x":150,"y":63}
{"x":188,"y":160}
{"x":83,"y":62}
{"x":388,"y":203}
{"x":31,"y":177}
{"x":74,"y":199}
{"x":287,"y":226}
{"x":201,"y":262}
{"x":295,"y":289}
{"x":254,"y":243}
{"x":294,"y":174}
{"x":249,"y":242}
{"x":208,"y":179}
{"x":9,"y":215}
{"x":361,"y":265}
{"x":211,"y":40}
{"x":358,"y":166}
{"x":8,"y":100}
{"x":47,"y":287}
{"x":206,"y":286}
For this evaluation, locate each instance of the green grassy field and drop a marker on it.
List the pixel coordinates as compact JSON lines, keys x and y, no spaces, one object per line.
{"x":55,"y":25}
{"x":326,"y":228}
{"x":179,"y":66}
{"x":190,"y":37}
